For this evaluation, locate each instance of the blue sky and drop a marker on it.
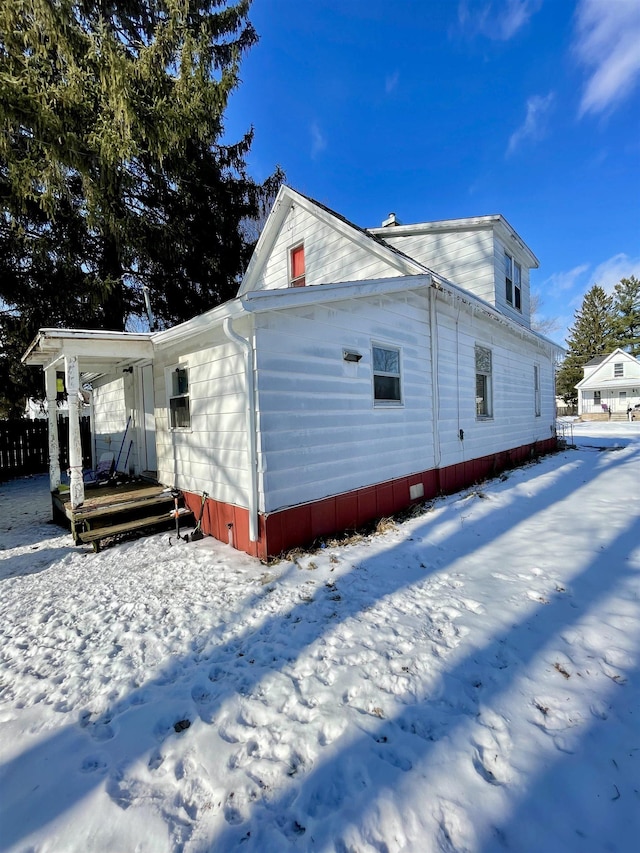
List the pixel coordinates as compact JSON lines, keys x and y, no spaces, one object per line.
{"x":438,"y":109}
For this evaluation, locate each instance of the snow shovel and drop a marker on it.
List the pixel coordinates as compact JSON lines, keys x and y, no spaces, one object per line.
{"x":197,"y":533}
{"x":175,"y":512}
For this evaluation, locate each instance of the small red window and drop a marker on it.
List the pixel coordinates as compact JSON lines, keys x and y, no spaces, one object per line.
{"x":297,"y":267}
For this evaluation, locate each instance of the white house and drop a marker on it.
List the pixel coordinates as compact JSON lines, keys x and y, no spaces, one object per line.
{"x":357,"y":371}
{"x":611,"y":384}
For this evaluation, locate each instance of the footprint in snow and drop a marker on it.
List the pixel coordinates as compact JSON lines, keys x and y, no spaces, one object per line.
{"x":102,"y":731}
{"x":94,"y":764}
{"x":488,"y":764}
{"x":245,"y":755}
{"x":156,"y":761}
{"x":492,"y":746}
{"x":200,"y":694}
{"x":387,"y":753}
{"x":472,"y":606}
{"x":539,"y":597}
{"x":455,"y":832}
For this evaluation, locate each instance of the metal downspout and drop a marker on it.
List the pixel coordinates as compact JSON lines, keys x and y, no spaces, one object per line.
{"x":250,"y":413}
{"x":435,"y":391}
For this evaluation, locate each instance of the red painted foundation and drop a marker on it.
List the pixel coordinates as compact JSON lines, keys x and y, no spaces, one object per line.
{"x":300,"y":525}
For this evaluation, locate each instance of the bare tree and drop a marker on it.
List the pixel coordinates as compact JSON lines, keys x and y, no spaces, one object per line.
{"x":540,"y":323}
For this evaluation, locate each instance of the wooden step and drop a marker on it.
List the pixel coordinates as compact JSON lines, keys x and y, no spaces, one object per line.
{"x":82,"y":514}
{"x":95,"y":535}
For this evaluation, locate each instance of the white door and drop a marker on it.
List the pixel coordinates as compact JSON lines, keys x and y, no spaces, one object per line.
{"x":148,"y":460}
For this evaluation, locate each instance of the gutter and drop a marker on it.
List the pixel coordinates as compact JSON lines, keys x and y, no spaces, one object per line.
{"x":435,"y":391}
{"x":250,"y":421}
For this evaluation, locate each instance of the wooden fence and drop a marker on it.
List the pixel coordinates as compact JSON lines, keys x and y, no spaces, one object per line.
{"x":24,"y":446}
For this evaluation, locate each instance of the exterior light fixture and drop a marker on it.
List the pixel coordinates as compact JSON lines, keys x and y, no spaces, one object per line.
{"x":351,"y":355}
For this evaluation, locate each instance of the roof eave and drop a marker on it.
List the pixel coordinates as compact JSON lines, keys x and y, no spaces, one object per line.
{"x":51,"y":344}
{"x":474,"y":223}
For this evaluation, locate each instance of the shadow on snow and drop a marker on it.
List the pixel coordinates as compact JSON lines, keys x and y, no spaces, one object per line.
{"x":123,"y":734}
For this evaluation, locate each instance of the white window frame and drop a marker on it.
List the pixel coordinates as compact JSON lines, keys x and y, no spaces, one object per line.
{"x":512,"y":281}
{"x":487,"y":379}
{"x":508,"y":278}
{"x":517,"y":286}
{"x":618,"y":369}
{"x":392,"y":374}
{"x":174,"y":394}
{"x":301,"y":280}
{"x":536,"y":389}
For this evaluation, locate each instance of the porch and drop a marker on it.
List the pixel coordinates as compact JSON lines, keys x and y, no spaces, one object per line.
{"x":72,"y":361}
{"x":110,"y":510}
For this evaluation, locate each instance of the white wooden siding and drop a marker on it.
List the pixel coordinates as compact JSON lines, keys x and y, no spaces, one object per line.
{"x":330,"y":257}
{"x":318,"y":430}
{"x":630,"y":372}
{"x":524,"y":316}
{"x":463,"y":257}
{"x":212,"y":455}
{"x":320,"y":433}
{"x":113,"y":402}
{"x":514,"y":422}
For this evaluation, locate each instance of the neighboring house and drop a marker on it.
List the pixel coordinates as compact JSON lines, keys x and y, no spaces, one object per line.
{"x":611,"y":384}
{"x":348,"y":378}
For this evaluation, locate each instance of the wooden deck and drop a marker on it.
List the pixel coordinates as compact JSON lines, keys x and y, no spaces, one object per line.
{"x":109,"y":510}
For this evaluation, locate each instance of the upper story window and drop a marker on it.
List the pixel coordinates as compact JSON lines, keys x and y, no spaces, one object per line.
{"x":179,"y":413}
{"x":297,"y":267}
{"x":618,"y":369}
{"x":513,"y":281}
{"x":386,"y":375}
{"x":484,"y":390}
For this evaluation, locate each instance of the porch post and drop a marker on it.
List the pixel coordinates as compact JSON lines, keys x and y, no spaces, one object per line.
{"x":76,"y":483}
{"x":54,"y":444}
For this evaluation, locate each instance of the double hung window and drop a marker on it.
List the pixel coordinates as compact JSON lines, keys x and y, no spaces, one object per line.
{"x":179,"y":412}
{"x":386,"y":375}
{"x":513,"y":281}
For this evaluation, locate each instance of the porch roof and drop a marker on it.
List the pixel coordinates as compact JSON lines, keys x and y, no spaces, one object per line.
{"x":97,"y":351}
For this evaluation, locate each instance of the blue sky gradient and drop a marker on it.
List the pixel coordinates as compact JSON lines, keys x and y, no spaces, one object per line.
{"x":450,"y":108}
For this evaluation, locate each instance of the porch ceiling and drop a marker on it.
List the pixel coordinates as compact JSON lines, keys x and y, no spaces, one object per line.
{"x":97,"y":351}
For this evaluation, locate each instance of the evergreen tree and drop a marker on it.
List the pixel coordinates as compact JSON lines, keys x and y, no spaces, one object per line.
{"x":627,"y":306}
{"x":592,"y":334}
{"x":112,"y":172}
{"x":45,"y":280}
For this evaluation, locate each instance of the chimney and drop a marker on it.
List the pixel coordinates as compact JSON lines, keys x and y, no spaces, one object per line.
{"x":390,"y":221}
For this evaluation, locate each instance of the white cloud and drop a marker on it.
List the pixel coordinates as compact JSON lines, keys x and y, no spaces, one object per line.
{"x":318,"y":140}
{"x":607,"y":44}
{"x":534,"y":125}
{"x":496,"y":19}
{"x":609,"y":272}
{"x":582,"y":278}
{"x":391,"y":82}
{"x":565,"y":280}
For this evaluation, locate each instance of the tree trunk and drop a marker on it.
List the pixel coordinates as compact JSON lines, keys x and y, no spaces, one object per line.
{"x":113,"y":308}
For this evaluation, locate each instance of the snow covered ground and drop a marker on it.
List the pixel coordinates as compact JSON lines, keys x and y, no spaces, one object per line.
{"x":466,"y":681}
